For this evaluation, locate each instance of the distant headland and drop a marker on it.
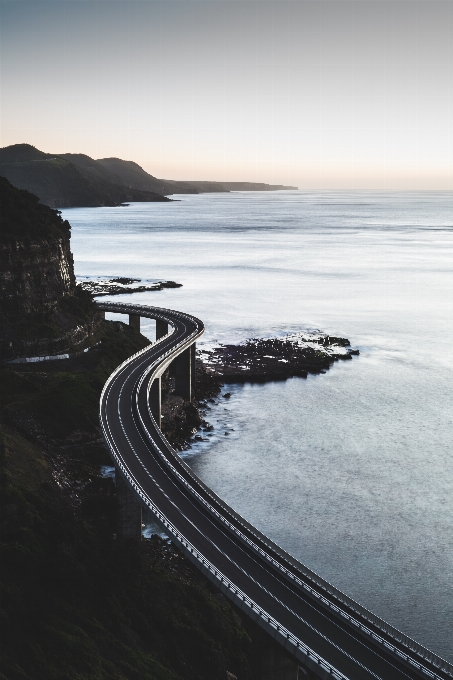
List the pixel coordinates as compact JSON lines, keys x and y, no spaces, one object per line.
{"x":73,"y":180}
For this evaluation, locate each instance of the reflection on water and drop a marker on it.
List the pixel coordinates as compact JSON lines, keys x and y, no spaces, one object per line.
{"x":350,"y":471}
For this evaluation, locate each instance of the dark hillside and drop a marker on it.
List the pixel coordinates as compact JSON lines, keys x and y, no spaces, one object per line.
{"x":107,"y":184}
{"x":132,"y":175}
{"x":208,"y":187}
{"x":204,"y":187}
{"x":91,"y":169}
{"x":66,"y":181}
{"x":23,"y":217}
{"x":256,"y":186}
{"x":19,"y":153}
{"x":76,"y":603}
{"x":71,"y":180}
{"x":57,"y":182}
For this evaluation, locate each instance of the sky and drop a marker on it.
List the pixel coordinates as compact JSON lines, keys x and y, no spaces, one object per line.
{"x":320,"y":94}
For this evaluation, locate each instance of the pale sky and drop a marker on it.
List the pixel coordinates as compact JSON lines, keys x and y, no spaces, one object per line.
{"x":322,"y":94}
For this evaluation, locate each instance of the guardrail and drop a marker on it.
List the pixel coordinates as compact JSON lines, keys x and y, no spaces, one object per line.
{"x":317,"y":583}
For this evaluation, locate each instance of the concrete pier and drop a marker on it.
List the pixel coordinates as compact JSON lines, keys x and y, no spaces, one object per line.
{"x":193,"y":349}
{"x":134,"y":321}
{"x":185,"y":373}
{"x":161,"y":329}
{"x":130,"y":515}
{"x":276,"y":665}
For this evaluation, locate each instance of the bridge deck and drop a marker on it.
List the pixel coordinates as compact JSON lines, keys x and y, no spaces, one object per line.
{"x":318,"y":627}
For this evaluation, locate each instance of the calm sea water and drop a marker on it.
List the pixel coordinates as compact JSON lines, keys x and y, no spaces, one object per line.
{"x":352,"y":471}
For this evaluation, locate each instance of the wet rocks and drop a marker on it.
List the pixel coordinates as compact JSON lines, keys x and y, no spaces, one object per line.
{"x":262,"y":360}
{"x":123,"y":285}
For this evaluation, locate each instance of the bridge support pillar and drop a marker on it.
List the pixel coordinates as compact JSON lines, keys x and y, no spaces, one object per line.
{"x":161,"y":329}
{"x":130,"y":516}
{"x":185,"y":373}
{"x":101,"y":313}
{"x":155,"y":400}
{"x":193,"y":349}
{"x":134,"y":322}
{"x":276,"y":665}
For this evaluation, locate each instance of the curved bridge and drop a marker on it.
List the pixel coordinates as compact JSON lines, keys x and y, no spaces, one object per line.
{"x":324,"y":629}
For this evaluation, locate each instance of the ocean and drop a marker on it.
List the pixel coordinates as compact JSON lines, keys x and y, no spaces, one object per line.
{"x":352,"y":471}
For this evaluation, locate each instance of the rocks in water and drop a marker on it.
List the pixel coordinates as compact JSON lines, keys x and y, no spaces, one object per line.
{"x":261,"y":360}
{"x":170,"y":284}
{"x":124,"y":281}
{"x":256,"y":360}
{"x":122,"y":285}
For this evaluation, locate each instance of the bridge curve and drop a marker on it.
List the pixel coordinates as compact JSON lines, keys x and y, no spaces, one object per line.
{"x":319,"y":625}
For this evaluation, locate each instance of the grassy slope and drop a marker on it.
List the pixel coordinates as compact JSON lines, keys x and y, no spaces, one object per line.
{"x":76,"y":603}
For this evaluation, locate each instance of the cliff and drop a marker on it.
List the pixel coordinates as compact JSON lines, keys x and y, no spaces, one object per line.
{"x":206,"y":187}
{"x":68,"y":180}
{"x":72,"y":180}
{"x":132,"y":175}
{"x":42,"y":310}
{"x":256,"y":186}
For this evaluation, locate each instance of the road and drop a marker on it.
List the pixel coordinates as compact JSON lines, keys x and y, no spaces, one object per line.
{"x":319,"y":625}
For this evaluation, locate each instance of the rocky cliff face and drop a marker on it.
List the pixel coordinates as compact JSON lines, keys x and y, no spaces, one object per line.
{"x":35,"y":276}
{"x":42,"y":310}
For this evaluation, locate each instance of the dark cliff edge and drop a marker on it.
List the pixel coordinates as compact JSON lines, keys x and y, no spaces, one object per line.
{"x":76,"y":602}
{"x":42,"y":309}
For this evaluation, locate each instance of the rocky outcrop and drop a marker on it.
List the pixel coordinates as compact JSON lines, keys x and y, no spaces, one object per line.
{"x":265,"y":359}
{"x":123,"y":285}
{"x":42,"y":310}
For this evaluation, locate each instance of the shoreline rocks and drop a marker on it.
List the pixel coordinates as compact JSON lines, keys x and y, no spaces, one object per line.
{"x":123,"y":285}
{"x":278,"y":358}
{"x":255,"y":360}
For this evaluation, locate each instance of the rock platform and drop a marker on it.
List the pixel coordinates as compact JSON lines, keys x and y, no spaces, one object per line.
{"x":279,"y":358}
